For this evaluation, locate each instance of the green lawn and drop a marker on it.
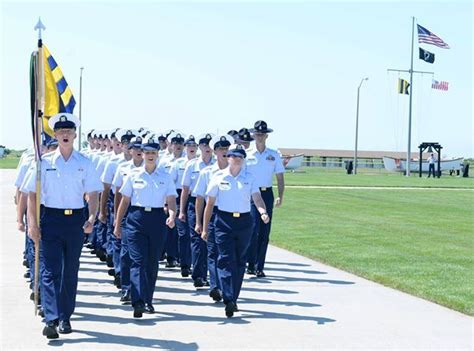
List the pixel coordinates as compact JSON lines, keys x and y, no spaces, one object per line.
{"x":338,"y":177}
{"x":418,"y":241}
{"x":9,"y":162}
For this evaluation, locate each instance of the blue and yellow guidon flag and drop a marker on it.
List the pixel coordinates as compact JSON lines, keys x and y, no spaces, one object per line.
{"x":57,"y":94}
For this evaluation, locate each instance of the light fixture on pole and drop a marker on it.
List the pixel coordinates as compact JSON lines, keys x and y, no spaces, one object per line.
{"x":357,"y":124}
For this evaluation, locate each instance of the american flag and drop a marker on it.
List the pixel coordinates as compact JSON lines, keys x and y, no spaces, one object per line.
{"x":439,"y":85}
{"x":425,"y":36}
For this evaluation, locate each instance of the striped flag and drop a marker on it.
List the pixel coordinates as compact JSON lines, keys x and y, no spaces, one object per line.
{"x":403,"y":86}
{"x":439,"y":85}
{"x":425,"y":36}
{"x":58,"y":95}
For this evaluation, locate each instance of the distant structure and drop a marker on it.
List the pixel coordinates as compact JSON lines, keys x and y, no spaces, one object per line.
{"x":2,"y":151}
{"x":339,"y":158}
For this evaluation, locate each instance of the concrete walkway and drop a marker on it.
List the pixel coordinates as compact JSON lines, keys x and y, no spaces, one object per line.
{"x":302,"y":304}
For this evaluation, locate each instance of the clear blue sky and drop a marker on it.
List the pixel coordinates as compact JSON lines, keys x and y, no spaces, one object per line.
{"x":217,"y":66}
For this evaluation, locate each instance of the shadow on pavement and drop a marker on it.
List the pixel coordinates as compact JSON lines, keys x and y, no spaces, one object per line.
{"x":269,"y":291}
{"x":276,"y":278}
{"x":292,"y":264}
{"x":98,"y":293}
{"x":289,"y":270}
{"x":104,"y":338}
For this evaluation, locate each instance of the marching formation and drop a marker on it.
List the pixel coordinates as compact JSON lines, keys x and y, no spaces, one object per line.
{"x":135,"y":197}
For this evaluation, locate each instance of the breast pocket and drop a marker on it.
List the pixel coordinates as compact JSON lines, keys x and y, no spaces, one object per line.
{"x":244,"y":186}
{"x":51,"y":178}
{"x":78,"y":176}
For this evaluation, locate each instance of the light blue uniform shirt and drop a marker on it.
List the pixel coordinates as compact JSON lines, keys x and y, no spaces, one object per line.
{"x":64,"y":183}
{"x":162,"y":154}
{"x":204,"y":178}
{"x":110,"y":168}
{"x":167,"y":163}
{"x":264,"y":165}
{"x":177,"y":171}
{"x":191,"y":173}
{"x":123,"y":170}
{"x":31,"y":172}
{"x":27,"y":162}
{"x":25,"y":155}
{"x":148,"y":190}
{"x":232,"y":193}
{"x":104,"y":157}
{"x":96,"y":156}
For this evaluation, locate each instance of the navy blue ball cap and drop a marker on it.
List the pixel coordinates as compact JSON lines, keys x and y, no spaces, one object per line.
{"x":232,"y":133}
{"x":221,"y":141}
{"x":237,"y":151}
{"x":64,"y":121}
{"x":135,"y":142}
{"x":176,"y":137}
{"x":205,"y":138}
{"x":244,"y":136}
{"x":260,"y":127}
{"x":125,"y":135}
{"x":151,"y":143}
{"x":161,"y":136}
{"x":190,"y":140}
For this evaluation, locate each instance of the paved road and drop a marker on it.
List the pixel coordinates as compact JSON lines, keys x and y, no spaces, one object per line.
{"x":302,"y":305}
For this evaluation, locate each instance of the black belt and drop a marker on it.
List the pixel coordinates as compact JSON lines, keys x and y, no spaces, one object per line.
{"x":265,"y":188}
{"x":61,"y":211}
{"x":146,"y":209}
{"x":234,"y":214}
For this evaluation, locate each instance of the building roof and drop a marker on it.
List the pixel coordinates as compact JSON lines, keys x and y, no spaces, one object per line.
{"x":348,"y":153}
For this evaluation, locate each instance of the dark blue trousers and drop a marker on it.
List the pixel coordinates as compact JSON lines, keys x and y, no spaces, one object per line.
{"x":93,"y":237}
{"x":101,"y":235}
{"x":62,"y":238}
{"x":30,"y":256}
{"x":184,"y":239}
{"x":31,"y":260}
{"x":232,"y":239}
{"x":198,"y":246}
{"x":261,"y":233}
{"x":171,"y":246}
{"x":109,"y":233}
{"x":146,"y":237}
{"x":125,"y":261}
{"x":212,"y":254}
{"x":25,"y":252}
{"x":184,"y":244}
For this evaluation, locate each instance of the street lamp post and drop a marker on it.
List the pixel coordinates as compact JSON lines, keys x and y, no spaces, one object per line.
{"x":357,"y":125}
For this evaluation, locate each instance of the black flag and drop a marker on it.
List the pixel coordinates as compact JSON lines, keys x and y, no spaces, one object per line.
{"x":427,"y":56}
